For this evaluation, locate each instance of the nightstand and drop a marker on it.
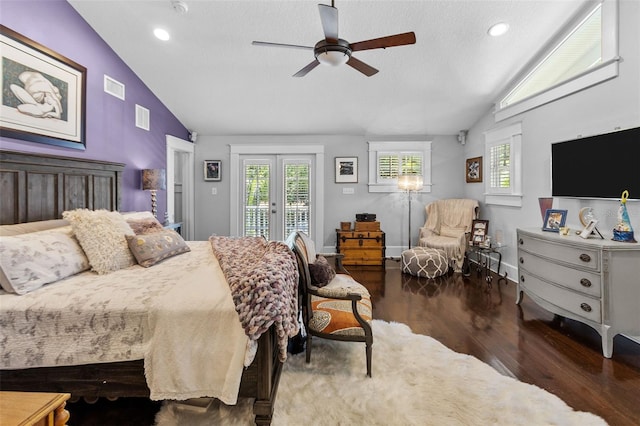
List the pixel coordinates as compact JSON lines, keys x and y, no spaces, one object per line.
{"x":33,"y":408}
{"x":176,"y":226}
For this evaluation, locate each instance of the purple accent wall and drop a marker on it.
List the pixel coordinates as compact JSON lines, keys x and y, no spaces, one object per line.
{"x":111,"y":133}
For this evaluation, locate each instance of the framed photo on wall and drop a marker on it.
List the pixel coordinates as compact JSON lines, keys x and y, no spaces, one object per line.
{"x":43,"y":93}
{"x":554,"y":220}
{"x":346,"y":169}
{"x":474,"y":169}
{"x":212,"y":170}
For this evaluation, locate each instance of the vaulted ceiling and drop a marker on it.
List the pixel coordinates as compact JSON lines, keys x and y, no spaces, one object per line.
{"x":217,"y":83}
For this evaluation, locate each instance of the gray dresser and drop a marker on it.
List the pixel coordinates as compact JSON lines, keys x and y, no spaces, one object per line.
{"x":594,"y":281}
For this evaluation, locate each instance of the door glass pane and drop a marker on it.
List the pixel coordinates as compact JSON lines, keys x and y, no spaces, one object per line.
{"x":256,"y":203}
{"x":296,"y":195}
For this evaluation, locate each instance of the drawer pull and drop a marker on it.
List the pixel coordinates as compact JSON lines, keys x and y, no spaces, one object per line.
{"x":521,"y":241}
{"x":521,"y":260}
{"x":585,"y":282}
{"x":360,"y":242}
{"x":585,"y":307}
{"x":585,"y":257}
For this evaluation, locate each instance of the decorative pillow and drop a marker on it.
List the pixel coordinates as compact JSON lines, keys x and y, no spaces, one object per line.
{"x":449,"y":231}
{"x":29,"y":261}
{"x":321,"y":272}
{"x":145,"y":226}
{"x":101,"y":234}
{"x":152,"y":248}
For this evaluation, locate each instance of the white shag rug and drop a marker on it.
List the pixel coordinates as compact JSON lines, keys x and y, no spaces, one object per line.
{"x":416,"y":381}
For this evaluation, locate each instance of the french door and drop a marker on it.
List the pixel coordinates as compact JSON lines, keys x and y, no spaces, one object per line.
{"x":276,"y":195}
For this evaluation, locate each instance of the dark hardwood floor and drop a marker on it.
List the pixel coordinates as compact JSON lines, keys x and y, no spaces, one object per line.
{"x":525,"y":342}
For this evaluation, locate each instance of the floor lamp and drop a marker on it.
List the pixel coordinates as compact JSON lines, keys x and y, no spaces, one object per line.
{"x":410,"y":183}
{"x":153,"y":180}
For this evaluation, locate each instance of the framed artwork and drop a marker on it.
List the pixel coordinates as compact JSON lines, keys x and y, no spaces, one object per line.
{"x":43,"y":93}
{"x":346,"y":169}
{"x":479,"y":232}
{"x":554,"y":220}
{"x":212,"y":170}
{"x":474,"y":169}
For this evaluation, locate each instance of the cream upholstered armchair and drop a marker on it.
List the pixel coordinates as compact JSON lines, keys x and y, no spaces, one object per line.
{"x":448,"y":222}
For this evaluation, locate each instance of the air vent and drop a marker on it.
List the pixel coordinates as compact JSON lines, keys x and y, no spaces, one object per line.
{"x":113,"y":87}
{"x":142,"y":117}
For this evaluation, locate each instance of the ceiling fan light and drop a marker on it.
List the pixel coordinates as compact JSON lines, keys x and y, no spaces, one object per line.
{"x":332,"y":57}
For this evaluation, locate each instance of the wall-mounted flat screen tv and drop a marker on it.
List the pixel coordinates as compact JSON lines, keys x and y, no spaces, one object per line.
{"x":599,"y":166}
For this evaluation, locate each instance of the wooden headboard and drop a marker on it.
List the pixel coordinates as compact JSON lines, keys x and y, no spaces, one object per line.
{"x":40,"y":187}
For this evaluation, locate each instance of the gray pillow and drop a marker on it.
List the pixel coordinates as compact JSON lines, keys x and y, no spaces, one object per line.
{"x":321,"y":272}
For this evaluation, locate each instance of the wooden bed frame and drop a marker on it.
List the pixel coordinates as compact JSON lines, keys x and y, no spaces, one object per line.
{"x":40,"y":187}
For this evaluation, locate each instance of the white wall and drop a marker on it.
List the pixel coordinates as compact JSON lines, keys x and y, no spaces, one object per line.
{"x":614,"y":104}
{"x":212,"y":211}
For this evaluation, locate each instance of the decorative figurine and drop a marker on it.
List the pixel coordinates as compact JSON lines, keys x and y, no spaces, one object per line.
{"x":623,"y":230}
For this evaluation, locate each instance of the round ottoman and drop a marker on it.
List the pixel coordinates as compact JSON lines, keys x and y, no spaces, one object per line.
{"x":424,"y":262}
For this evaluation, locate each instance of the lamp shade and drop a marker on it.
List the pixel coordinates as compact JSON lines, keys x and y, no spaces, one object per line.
{"x":154,"y":179}
{"x":410,"y":182}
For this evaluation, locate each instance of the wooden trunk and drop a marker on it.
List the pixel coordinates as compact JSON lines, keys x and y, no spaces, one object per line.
{"x":361,"y":247}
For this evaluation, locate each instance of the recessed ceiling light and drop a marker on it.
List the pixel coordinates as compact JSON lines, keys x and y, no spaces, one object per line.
{"x":161,"y":34}
{"x":498,"y":29}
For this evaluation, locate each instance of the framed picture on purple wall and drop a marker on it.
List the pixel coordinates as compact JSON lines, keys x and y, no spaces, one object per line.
{"x":43,"y":93}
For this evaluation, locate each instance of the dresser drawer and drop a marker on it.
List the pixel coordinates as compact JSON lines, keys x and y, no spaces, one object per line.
{"x":582,"y":257}
{"x":360,"y":243}
{"x":577,"y":303}
{"x":583,"y":281}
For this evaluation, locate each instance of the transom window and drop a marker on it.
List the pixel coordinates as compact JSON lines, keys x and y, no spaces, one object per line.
{"x":586,"y":53}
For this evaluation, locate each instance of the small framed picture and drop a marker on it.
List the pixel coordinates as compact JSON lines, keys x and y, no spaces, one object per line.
{"x":212,"y":170}
{"x":474,"y":169}
{"x":554,"y":220}
{"x":479,"y":232}
{"x":346,"y":169}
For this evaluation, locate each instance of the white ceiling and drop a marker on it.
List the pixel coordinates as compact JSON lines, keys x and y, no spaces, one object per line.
{"x":217,"y":83}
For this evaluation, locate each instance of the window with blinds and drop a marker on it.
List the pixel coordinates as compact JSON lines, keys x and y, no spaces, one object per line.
{"x":503,"y":161}
{"x":391,"y":165}
{"x":388,"y":160}
{"x":297,"y":197}
{"x":500,"y":166}
{"x":256,"y":203}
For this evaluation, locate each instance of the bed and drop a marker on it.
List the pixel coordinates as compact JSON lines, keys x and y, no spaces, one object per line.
{"x":37,"y":189}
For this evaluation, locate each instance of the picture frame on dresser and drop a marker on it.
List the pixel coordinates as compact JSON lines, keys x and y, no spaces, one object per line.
{"x":44,"y":93}
{"x":554,"y":219}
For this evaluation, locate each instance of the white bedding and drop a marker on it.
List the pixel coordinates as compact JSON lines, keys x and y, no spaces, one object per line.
{"x":161,"y":314}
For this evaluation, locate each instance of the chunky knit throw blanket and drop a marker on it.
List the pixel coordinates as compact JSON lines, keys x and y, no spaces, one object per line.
{"x":263,"y":277}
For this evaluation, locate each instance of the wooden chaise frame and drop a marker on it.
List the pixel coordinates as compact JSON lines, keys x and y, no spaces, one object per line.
{"x":38,"y":187}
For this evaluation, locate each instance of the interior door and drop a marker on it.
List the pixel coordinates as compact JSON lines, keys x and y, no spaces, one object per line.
{"x":276,"y":195}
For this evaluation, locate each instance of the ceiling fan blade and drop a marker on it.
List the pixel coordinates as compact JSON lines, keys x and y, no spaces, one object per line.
{"x":365,"y":69}
{"x":289,"y":46}
{"x":384,"y":42}
{"x":306,"y":69}
{"x":329,"y":18}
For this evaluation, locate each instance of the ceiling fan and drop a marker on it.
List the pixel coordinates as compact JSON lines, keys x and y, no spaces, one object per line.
{"x":336,"y":51}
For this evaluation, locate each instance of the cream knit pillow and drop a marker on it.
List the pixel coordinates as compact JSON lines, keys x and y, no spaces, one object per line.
{"x":101,"y":234}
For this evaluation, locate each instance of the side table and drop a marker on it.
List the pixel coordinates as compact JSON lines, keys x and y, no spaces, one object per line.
{"x":33,"y":408}
{"x":484,"y":259}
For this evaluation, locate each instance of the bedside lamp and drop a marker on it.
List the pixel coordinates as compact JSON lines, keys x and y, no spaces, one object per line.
{"x":154,"y":180}
{"x":410,"y":183}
